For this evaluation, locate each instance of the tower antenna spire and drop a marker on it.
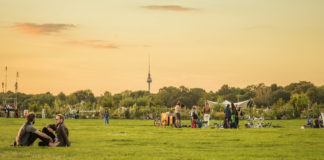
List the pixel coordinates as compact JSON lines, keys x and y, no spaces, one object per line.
{"x":16,"y":90}
{"x":149,"y":79}
{"x":16,"y":84}
{"x":6,"y":82}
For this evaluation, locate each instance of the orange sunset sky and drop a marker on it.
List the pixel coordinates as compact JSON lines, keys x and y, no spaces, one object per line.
{"x":103,"y":45}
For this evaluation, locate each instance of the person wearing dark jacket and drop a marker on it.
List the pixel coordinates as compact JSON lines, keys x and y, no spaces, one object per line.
{"x":234,"y":117}
{"x":237,"y":116}
{"x":106,"y":116}
{"x":228,"y":114}
{"x":16,"y":111}
{"x":62,"y":133}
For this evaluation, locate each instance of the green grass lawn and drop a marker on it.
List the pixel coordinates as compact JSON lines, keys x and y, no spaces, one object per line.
{"x":139,"y":139}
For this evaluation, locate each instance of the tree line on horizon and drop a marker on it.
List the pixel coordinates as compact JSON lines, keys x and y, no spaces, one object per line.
{"x":290,"y":100}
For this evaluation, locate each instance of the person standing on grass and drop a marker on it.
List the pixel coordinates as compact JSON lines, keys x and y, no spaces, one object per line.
{"x":194,"y":118}
{"x":227,"y":120}
{"x":238,"y":109}
{"x":7,"y":112}
{"x":61,"y":131}
{"x":71,"y":114}
{"x":27,"y":134}
{"x":206,"y":111}
{"x":77,"y":114}
{"x":16,"y":111}
{"x":106,"y":116}
{"x":233,"y":116}
{"x":43,"y":113}
{"x":177,"y":109}
{"x":191,"y":114}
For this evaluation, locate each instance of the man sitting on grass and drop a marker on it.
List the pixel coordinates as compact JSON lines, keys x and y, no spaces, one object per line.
{"x":61,"y":131}
{"x":27,"y":134}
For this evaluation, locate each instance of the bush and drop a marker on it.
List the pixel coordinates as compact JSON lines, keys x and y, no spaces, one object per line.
{"x":127,"y":113}
{"x":299,"y":103}
{"x":218,"y":115}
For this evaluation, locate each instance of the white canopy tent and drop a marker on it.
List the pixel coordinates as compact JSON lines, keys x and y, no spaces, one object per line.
{"x":242,"y":104}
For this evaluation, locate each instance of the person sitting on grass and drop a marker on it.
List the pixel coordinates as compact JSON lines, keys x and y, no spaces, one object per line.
{"x":318,"y":122}
{"x":309,"y":123}
{"x":27,"y":133}
{"x":249,"y":125}
{"x":61,"y":131}
{"x":216,"y":125}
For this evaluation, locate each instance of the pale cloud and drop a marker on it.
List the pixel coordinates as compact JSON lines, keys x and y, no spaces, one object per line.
{"x":260,"y":27}
{"x":94,"y":44}
{"x":168,"y":8}
{"x":41,"y":29}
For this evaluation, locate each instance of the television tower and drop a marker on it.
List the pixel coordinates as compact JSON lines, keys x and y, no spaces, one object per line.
{"x":149,"y":79}
{"x":4,"y":88}
{"x":16,"y":84}
{"x":6,"y":82}
{"x":16,"y":90}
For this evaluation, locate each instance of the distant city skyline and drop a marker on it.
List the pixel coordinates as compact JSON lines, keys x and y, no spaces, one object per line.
{"x":65,"y":46}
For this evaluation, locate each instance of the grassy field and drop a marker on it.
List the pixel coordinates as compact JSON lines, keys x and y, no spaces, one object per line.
{"x":139,"y":139}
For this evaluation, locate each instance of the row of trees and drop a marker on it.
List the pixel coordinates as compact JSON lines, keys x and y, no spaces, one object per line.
{"x":290,"y":100}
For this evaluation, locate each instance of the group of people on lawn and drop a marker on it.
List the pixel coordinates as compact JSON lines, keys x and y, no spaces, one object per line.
{"x":231,"y":115}
{"x":318,"y":122}
{"x":194,"y":115}
{"x":28,"y":134}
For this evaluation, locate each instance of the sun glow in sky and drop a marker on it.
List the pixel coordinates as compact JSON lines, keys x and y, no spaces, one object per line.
{"x":103,"y":45}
